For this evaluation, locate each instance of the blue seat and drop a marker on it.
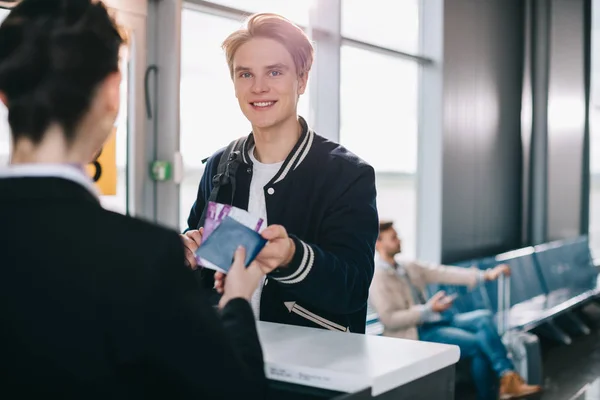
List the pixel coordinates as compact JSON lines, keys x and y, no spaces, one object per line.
{"x":546,"y":281}
{"x":584,"y":274}
{"x":491,"y":288}
{"x":467,"y":299}
{"x":528,"y":300}
{"x":373,"y":324}
{"x":568,"y":272}
{"x":526,"y":282}
{"x":567,"y":264}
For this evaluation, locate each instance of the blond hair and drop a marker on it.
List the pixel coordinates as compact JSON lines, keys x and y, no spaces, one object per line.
{"x":276,"y":27}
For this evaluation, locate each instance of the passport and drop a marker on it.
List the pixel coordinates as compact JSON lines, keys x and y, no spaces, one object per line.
{"x":218,"y":250}
{"x":216,"y":212}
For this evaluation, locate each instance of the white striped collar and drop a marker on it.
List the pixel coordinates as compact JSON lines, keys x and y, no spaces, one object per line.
{"x":69,"y":172}
{"x":296,"y":156}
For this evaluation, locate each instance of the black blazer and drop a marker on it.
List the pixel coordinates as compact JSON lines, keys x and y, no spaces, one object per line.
{"x":94,"y":304}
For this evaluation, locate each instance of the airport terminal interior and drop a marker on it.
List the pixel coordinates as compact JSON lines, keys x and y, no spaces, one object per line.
{"x":481,"y":121}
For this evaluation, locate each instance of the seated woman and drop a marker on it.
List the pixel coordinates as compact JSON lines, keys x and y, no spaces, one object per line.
{"x":84,"y":312}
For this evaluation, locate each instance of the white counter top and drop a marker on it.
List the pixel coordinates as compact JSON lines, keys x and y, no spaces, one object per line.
{"x":348,"y":362}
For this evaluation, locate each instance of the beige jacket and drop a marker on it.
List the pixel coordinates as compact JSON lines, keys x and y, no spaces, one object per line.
{"x":391,"y":297}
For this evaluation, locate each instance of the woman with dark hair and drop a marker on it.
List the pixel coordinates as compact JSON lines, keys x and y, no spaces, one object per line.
{"x":83,"y":312}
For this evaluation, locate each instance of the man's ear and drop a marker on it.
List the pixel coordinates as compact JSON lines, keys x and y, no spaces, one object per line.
{"x":302,"y":82}
{"x":3,"y":99}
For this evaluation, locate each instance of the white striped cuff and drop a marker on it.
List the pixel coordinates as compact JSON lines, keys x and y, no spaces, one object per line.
{"x":308,"y":259}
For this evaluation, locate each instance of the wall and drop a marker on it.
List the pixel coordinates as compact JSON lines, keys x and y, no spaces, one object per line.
{"x":482,"y":74}
{"x":567,"y":130}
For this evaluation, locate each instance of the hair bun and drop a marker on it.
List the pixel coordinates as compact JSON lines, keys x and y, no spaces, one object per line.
{"x":53,"y":53}
{"x":23,"y":57}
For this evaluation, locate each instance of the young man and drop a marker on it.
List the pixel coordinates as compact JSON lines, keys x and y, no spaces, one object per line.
{"x":317,"y":197}
{"x":398,"y":296}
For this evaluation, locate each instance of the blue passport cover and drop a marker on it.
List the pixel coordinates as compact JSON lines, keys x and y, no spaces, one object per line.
{"x":222,"y":243}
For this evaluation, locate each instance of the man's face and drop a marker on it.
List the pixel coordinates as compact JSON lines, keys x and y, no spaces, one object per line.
{"x":389,"y":243}
{"x":266,"y":83}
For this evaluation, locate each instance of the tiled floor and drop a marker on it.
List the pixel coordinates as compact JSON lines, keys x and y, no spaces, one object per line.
{"x":589,"y":392}
{"x":569,"y":369}
{"x":571,"y":372}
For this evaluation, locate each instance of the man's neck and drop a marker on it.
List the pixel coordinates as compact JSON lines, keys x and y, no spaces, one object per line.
{"x":275,"y":143}
{"x":388,"y":259}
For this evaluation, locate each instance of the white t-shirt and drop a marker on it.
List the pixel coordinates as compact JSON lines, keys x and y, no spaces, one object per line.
{"x":261,"y":175}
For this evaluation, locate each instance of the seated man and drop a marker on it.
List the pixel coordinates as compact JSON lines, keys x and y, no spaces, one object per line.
{"x":397,"y":294}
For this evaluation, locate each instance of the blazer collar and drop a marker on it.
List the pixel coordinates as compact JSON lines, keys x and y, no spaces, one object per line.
{"x":69,"y":172}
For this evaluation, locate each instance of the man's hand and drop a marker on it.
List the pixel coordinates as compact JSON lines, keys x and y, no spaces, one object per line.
{"x":192,"y":240}
{"x":278,"y":252}
{"x":440,"y":302}
{"x":494,"y":273}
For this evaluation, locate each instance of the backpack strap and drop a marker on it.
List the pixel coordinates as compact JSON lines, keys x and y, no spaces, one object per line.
{"x":226,"y":173}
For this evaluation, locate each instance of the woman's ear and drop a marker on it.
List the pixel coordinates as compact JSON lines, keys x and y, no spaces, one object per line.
{"x":3,"y":99}
{"x":113,"y":90}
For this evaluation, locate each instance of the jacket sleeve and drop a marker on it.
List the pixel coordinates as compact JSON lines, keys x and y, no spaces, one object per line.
{"x":188,"y":345}
{"x":335,"y":274}
{"x":392,"y":318}
{"x":204,"y":189}
{"x":432,"y":273}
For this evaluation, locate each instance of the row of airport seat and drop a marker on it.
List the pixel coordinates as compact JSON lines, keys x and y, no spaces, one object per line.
{"x":546,"y":282}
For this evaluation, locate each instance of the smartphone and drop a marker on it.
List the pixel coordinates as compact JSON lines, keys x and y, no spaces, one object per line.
{"x":449,"y":298}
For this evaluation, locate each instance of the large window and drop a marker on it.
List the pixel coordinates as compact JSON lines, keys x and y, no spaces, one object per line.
{"x":594,"y":226}
{"x":379,"y":123}
{"x":594,"y":221}
{"x":378,"y":104}
{"x":118,"y":202}
{"x":392,"y":24}
{"x":295,"y":10}
{"x":4,"y":136}
{"x":210,"y":115}
{"x":4,"y":130}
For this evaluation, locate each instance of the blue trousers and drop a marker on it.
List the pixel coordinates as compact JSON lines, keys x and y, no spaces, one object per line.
{"x":476,"y":335}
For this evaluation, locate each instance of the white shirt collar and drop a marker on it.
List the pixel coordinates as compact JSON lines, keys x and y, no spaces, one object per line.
{"x":384,"y":265}
{"x":64,"y":171}
{"x":381,"y":263}
{"x":260,"y":165}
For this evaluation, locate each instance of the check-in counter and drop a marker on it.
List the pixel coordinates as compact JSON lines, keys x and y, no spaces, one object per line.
{"x":306,"y":363}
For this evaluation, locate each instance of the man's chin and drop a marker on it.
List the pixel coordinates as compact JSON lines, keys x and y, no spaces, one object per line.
{"x":263,"y":123}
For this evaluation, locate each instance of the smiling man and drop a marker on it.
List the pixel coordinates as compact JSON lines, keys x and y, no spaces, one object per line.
{"x":317,"y":197}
